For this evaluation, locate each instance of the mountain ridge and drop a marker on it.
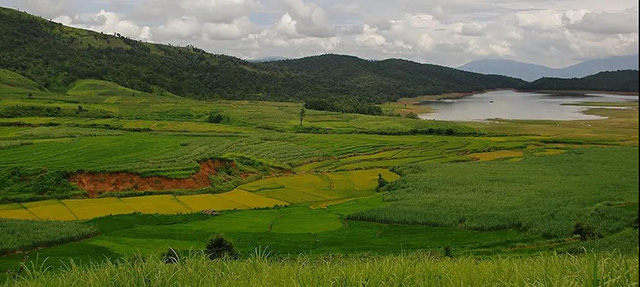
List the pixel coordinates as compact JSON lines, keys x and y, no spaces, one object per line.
{"x":611,"y":81}
{"x":531,"y":72}
{"x":72,"y":54}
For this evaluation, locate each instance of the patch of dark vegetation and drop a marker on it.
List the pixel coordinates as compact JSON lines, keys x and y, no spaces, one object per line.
{"x":342,"y":105}
{"x":219,"y":247}
{"x":217,"y":118}
{"x":311,"y":130}
{"x":20,"y":111}
{"x":578,"y":141}
{"x":584,"y":231}
{"x":110,"y":127}
{"x":23,"y":124}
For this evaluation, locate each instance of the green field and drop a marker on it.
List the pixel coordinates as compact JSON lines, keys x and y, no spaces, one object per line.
{"x":503,"y":194}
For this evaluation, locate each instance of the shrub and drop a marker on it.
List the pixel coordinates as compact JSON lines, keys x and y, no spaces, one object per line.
{"x":220,"y":247}
{"x":215,"y":118}
{"x":412,"y":115}
{"x":447,"y":251}
{"x":584,"y":231}
{"x":381,"y":183}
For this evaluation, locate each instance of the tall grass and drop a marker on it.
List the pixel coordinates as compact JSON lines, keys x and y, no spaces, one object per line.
{"x":419,"y":269}
{"x":28,"y":234}
{"x":541,"y":195}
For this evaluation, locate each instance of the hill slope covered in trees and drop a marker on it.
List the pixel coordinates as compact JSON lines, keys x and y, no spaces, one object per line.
{"x":618,"y":81}
{"x":54,"y":56}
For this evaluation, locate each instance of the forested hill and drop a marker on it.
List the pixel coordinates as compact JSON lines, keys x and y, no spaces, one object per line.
{"x":54,"y":56}
{"x":363,"y":78}
{"x":618,"y":81}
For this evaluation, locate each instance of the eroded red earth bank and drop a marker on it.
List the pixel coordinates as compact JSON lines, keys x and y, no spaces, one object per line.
{"x":96,"y":183}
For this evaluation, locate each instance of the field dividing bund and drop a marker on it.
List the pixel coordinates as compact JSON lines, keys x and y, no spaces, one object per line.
{"x":317,"y":189}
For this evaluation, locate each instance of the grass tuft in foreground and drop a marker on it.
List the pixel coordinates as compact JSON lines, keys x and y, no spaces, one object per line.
{"x":418,"y":269}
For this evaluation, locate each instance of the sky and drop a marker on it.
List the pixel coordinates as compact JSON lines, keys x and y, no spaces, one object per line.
{"x":445,"y":32}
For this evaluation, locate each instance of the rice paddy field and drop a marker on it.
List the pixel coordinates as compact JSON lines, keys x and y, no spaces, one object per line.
{"x":373,"y":200}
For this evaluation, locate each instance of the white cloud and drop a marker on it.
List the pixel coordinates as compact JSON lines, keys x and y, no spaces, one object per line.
{"x":218,"y":11}
{"x":608,"y":23}
{"x":180,"y":28}
{"x":237,"y":29}
{"x":539,"y":20}
{"x":310,"y":19}
{"x":472,"y":29}
{"x":370,"y":37}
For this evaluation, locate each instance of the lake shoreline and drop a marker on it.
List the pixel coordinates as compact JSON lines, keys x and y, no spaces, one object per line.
{"x":538,"y":105}
{"x":583,"y":92}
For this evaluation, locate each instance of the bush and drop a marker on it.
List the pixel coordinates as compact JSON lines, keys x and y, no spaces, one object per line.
{"x":584,"y":231}
{"x":220,"y":247}
{"x":412,"y":115}
{"x":215,"y":118}
{"x":447,"y":251}
{"x":381,"y":183}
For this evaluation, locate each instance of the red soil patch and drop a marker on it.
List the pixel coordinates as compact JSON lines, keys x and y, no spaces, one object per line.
{"x":96,"y":183}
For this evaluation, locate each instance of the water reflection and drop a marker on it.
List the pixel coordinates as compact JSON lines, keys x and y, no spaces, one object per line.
{"x":518,"y":105}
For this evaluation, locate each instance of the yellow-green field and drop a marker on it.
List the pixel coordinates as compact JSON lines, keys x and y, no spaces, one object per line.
{"x":80,"y":209}
{"x":320,"y":187}
{"x":317,"y":189}
{"x":487,"y":156}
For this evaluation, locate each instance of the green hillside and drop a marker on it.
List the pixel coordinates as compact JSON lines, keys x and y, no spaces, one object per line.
{"x":392,"y":78}
{"x":618,"y":81}
{"x":73,"y":54}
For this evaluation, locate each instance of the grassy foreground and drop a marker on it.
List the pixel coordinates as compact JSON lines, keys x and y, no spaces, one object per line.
{"x":418,"y":269}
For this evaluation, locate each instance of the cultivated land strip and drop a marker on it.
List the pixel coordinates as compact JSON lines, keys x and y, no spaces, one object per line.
{"x":259,"y":194}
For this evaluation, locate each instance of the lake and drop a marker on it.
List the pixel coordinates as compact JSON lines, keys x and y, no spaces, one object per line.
{"x":505,"y":104}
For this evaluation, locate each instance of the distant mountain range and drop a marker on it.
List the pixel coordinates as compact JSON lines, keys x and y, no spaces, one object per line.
{"x":532,"y":72}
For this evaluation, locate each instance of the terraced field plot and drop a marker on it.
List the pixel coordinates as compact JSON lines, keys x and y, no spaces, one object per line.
{"x":494,"y":155}
{"x":320,"y":187}
{"x":436,"y":150}
{"x":81,"y":209}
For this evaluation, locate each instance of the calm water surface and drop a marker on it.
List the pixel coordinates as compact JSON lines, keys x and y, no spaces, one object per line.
{"x":517,"y":106}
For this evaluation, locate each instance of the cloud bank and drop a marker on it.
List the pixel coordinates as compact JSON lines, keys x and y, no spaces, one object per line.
{"x":449,"y":32}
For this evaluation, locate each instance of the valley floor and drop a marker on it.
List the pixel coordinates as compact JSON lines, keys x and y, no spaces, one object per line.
{"x":380,"y":198}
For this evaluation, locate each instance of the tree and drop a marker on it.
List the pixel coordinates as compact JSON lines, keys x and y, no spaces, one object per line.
{"x":381,"y":183}
{"x":303,"y":112}
{"x":220,"y":247}
{"x":215,"y":118}
{"x":30,"y":96}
